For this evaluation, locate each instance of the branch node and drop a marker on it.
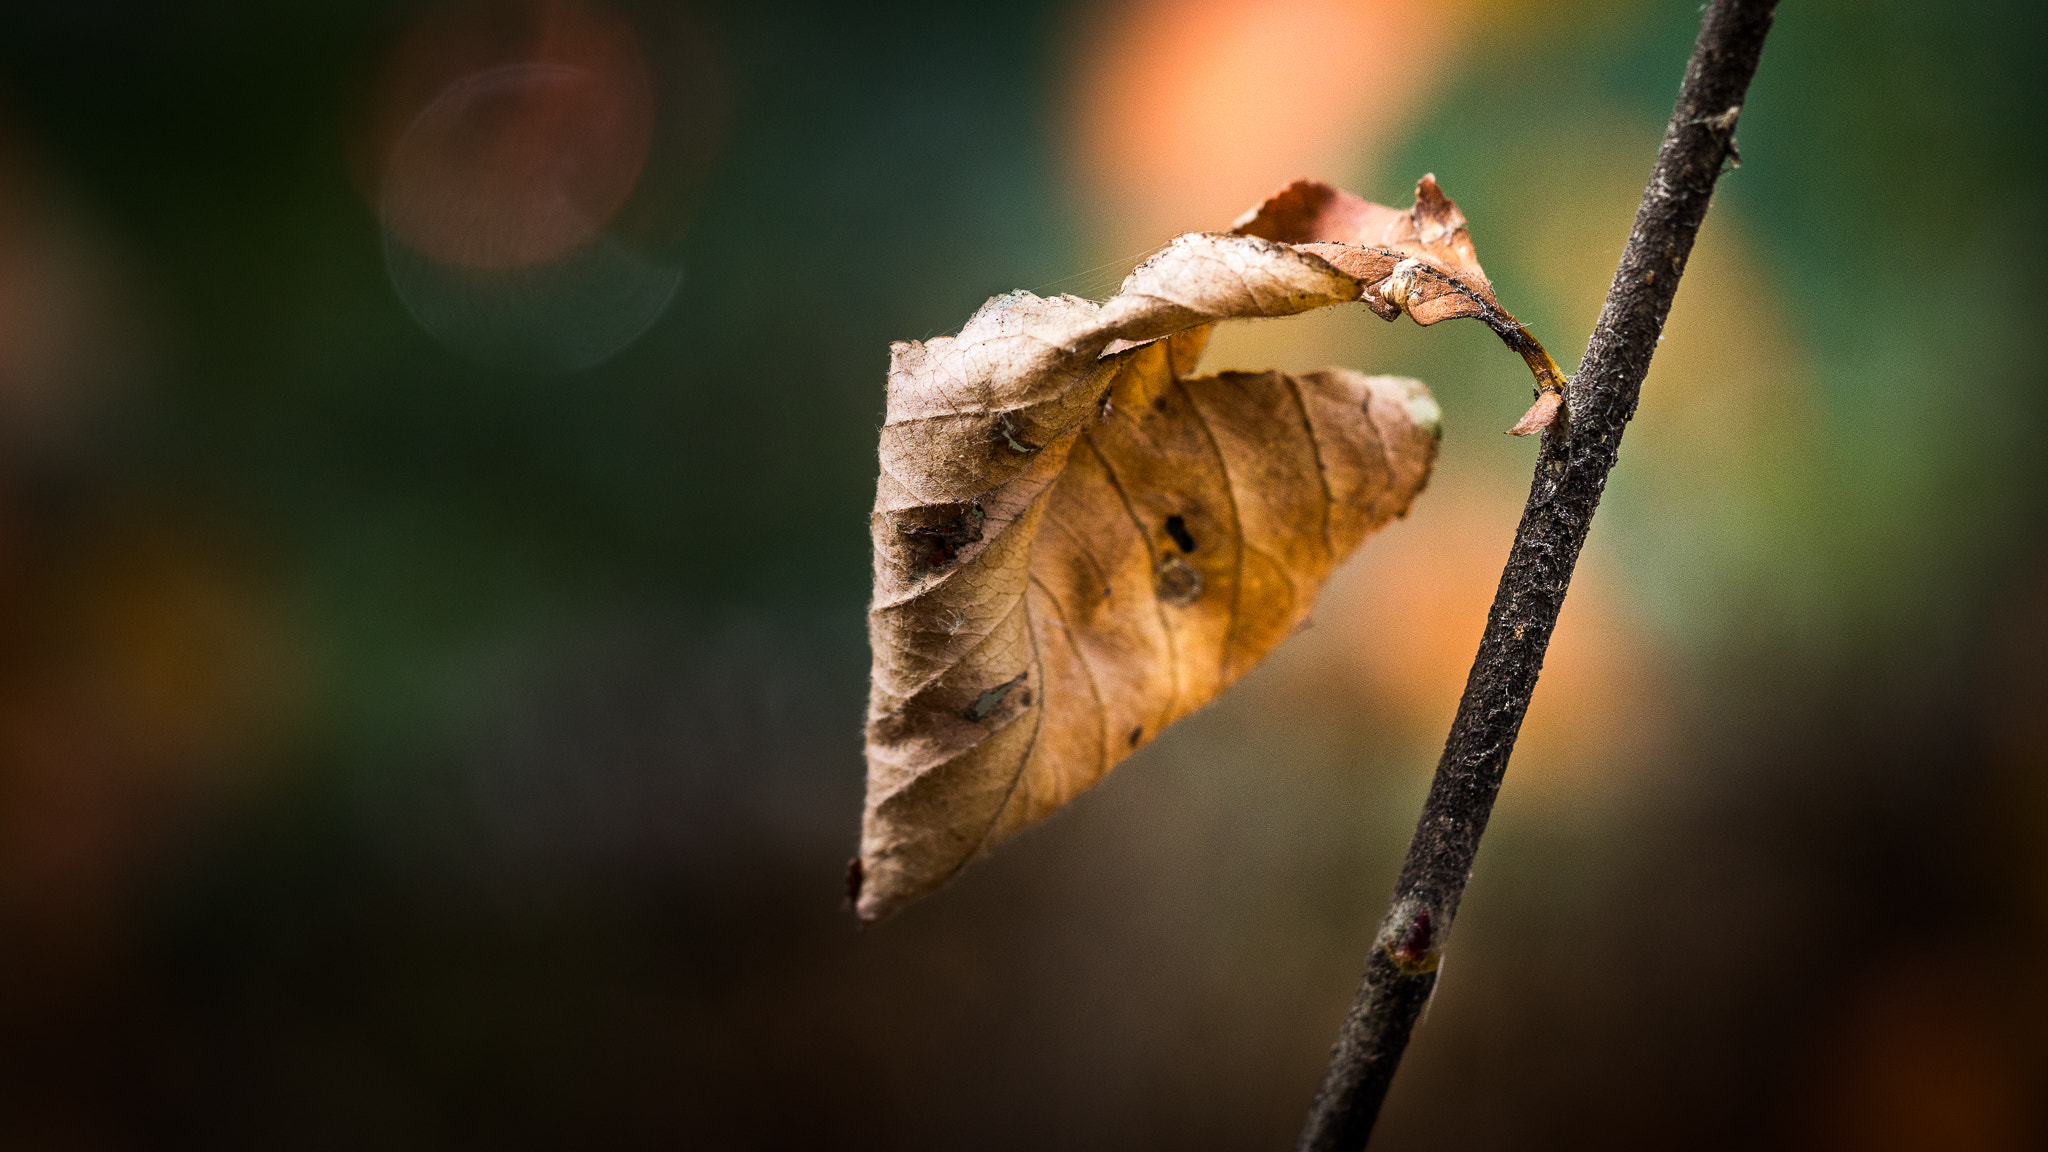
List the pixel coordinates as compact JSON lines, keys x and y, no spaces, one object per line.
{"x":1411,"y":939}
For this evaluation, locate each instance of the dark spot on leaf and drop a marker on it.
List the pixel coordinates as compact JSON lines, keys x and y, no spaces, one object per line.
{"x":1010,"y":431}
{"x":992,"y":699}
{"x":1177,"y":582}
{"x":1178,"y":529}
{"x":1137,"y":734}
{"x":941,"y":530}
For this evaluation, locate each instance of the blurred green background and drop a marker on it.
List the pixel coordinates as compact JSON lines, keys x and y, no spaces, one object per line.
{"x":435,"y":449}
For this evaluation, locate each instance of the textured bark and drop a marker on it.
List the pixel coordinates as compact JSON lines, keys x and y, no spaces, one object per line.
{"x":1571,"y":472}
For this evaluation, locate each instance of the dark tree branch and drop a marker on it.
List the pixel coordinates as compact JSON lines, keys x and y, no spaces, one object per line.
{"x":1571,"y":471}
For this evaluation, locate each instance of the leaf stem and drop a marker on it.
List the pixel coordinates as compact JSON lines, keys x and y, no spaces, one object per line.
{"x":1571,"y":472}
{"x":1550,"y":381}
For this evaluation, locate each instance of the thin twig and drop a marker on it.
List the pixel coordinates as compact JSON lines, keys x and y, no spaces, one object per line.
{"x":1571,"y":471}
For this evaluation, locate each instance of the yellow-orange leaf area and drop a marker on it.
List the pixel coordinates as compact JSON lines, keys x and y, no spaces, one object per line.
{"x":1077,"y":542}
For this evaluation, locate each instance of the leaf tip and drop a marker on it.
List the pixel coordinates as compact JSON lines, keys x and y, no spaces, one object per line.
{"x":1540,"y":415}
{"x":871,"y":903}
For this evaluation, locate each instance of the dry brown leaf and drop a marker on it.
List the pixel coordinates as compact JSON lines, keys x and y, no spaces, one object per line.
{"x":1420,"y":262}
{"x":1078,"y":543}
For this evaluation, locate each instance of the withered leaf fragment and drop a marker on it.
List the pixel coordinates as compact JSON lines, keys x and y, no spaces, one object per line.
{"x":1077,"y":542}
{"x":1420,"y":262}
